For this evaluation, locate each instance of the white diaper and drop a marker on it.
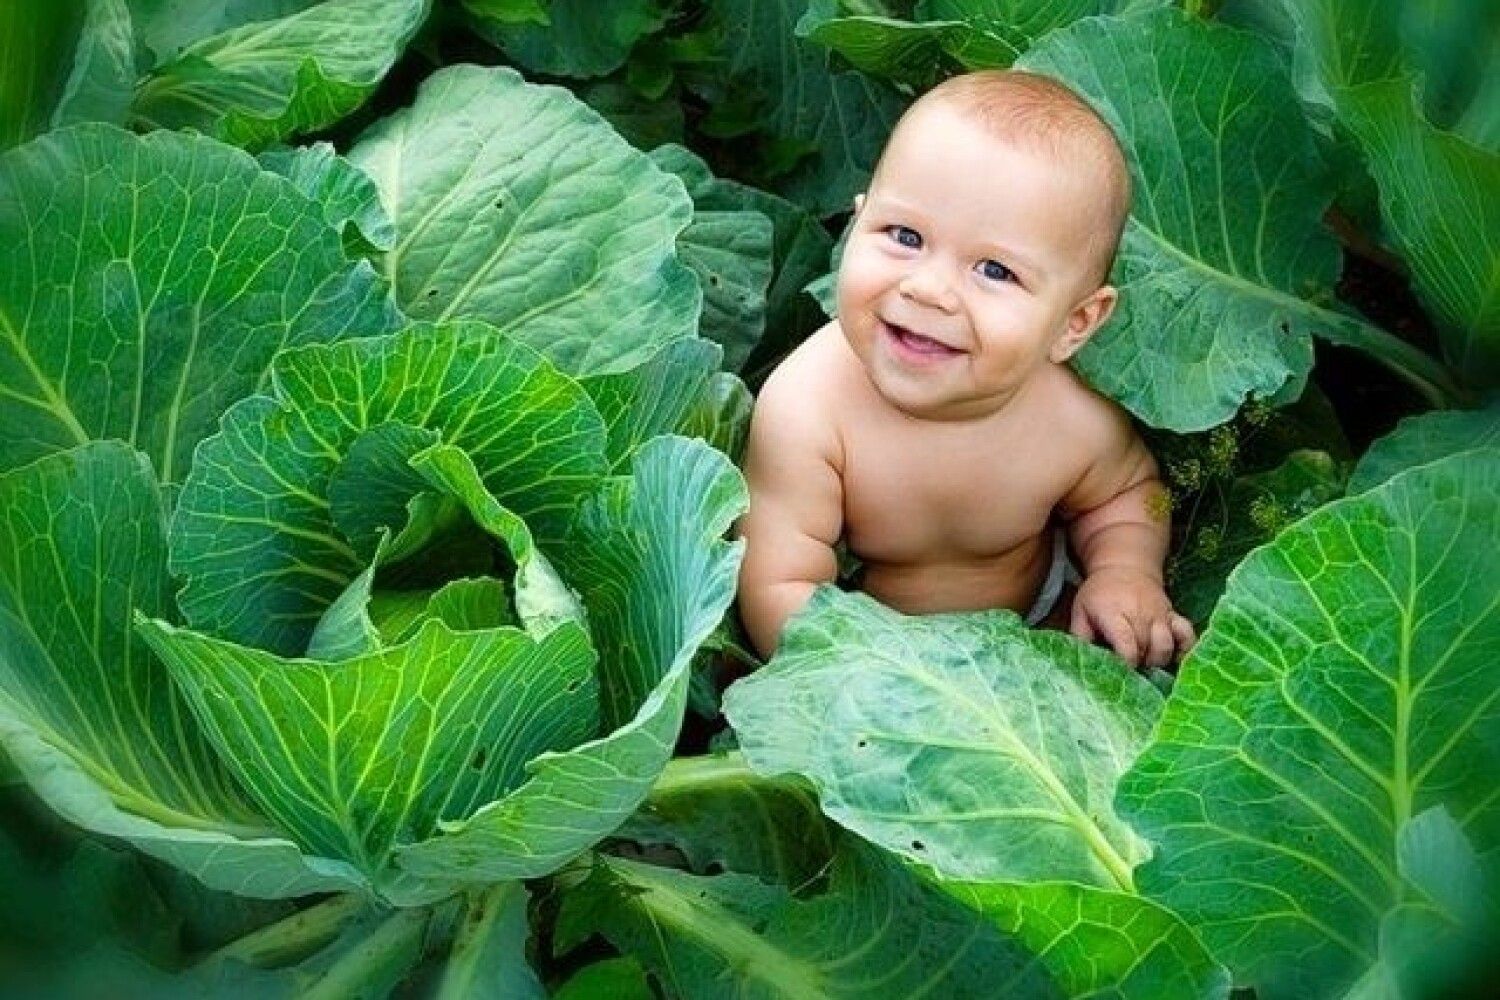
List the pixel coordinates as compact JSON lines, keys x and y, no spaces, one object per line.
{"x":1060,"y":572}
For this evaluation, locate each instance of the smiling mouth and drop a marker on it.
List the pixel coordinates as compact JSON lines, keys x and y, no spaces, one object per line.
{"x":919,"y":344}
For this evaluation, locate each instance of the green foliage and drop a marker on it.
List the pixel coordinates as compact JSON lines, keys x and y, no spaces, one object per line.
{"x":364,"y":502}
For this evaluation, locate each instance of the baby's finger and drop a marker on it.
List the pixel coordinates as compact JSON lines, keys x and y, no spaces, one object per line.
{"x":1080,"y":625}
{"x":1160,"y":652}
{"x":1121,"y":636}
{"x":1182,"y":631}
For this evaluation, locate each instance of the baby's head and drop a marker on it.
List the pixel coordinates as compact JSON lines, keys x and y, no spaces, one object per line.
{"x":982,"y":248}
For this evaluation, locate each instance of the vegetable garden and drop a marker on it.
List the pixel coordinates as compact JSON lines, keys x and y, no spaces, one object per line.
{"x":373,"y":375}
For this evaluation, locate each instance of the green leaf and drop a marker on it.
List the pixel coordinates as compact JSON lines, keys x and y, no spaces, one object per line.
{"x":648,"y":558}
{"x":581,"y":38}
{"x":1425,"y":438}
{"x":148,"y":283}
{"x":489,"y":956}
{"x":355,"y":758}
{"x":844,"y":117}
{"x":966,"y":742}
{"x":1001,"y":30}
{"x":265,"y":80}
{"x":99,"y":86}
{"x":348,"y":197}
{"x":730,"y":251}
{"x":1225,"y":267}
{"x":723,"y":816}
{"x":517,"y":204}
{"x":87,"y":713}
{"x":917,"y":55}
{"x":1099,"y":943}
{"x":1438,"y":201}
{"x":254,"y":538}
{"x":800,"y":250}
{"x":615,"y":978}
{"x":659,"y":396}
{"x":876,"y":931}
{"x":1344,"y":685}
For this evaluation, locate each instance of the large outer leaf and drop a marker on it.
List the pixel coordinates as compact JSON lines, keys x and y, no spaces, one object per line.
{"x":1426,"y":438}
{"x":1346,"y":684}
{"x":1441,"y":201}
{"x":1099,"y":944}
{"x":517,"y":204}
{"x":843,"y":116}
{"x":270,"y":79}
{"x":1224,"y":250}
{"x":87,"y":714}
{"x":354,"y":758}
{"x":966,"y":742}
{"x":348,"y":197}
{"x":730,"y":251}
{"x":990,"y":753}
{"x":146,"y":284}
{"x":876,"y":933}
{"x":100,"y":84}
{"x":254,"y":537}
{"x":648,"y":557}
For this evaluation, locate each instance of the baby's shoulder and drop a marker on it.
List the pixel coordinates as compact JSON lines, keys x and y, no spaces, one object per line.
{"x":1093,"y":422}
{"x":814,"y":379}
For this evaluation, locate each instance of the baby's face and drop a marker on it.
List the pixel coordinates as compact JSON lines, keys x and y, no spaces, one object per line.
{"x":967,"y":259}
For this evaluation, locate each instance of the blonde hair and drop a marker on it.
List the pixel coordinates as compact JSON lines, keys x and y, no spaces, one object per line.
{"x":1018,"y":106}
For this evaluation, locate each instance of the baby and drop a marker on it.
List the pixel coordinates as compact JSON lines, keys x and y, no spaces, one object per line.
{"x":935,"y":424}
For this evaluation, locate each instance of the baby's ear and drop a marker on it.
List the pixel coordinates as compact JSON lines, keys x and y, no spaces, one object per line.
{"x":1086,"y":317}
{"x":859,"y":203}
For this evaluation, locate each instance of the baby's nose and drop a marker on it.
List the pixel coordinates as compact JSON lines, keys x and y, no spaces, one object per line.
{"x":930,"y":286}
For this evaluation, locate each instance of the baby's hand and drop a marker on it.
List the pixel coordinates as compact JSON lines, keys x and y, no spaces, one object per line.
{"x":1131,"y":612}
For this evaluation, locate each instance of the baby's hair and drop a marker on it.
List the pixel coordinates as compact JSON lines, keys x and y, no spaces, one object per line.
{"x":1018,"y":106}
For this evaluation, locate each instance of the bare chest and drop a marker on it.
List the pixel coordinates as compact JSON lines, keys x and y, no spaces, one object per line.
{"x":945,"y":495}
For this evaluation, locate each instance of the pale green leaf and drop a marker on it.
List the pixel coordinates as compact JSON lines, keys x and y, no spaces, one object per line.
{"x":518,"y":205}
{"x":1224,"y":261}
{"x":88,"y":715}
{"x":966,"y":742}
{"x":146,"y":285}
{"x":265,"y":80}
{"x":348,"y":197}
{"x":1345,"y":685}
{"x":1439,"y":201}
{"x":356,"y":758}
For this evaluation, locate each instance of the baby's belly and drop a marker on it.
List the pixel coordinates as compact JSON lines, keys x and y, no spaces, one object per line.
{"x":1010,"y":580}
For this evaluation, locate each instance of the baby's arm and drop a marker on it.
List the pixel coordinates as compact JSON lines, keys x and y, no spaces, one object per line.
{"x":1119,"y":529}
{"x":796,"y":505}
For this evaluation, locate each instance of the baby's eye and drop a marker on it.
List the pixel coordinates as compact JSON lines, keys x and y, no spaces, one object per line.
{"x":906,"y":236}
{"x":996,"y":271}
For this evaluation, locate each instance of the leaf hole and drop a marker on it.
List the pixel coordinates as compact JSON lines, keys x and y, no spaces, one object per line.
{"x":917,"y":845}
{"x":861,"y":743}
{"x":431,"y":293}
{"x":572,"y":685}
{"x":480,"y":756}
{"x":499,"y":202}
{"x":713,"y":279}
